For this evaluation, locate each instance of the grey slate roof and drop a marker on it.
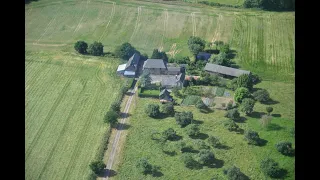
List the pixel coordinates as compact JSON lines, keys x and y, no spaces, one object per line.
{"x":224,"y":70}
{"x":174,"y":69}
{"x":133,"y":60}
{"x":169,"y":81}
{"x":154,"y":63}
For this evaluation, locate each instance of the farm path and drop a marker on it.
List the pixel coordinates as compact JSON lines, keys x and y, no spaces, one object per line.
{"x":115,"y":149}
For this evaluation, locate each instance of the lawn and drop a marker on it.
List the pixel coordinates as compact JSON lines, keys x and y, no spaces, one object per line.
{"x":66,"y":97}
{"x":246,"y":157}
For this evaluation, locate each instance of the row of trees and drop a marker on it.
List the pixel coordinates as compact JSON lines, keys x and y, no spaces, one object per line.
{"x":270,"y":4}
{"x":95,"y":49}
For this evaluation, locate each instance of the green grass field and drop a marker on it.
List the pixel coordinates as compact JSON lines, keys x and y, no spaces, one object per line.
{"x":246,"y":157}
{"x":263,"y":41}
{"x":67,"y":96}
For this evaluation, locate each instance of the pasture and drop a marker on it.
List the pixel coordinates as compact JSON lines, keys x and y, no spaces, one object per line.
{"x":263,"y":41}
{"x":66,"y":97}
{"x":238,"y":152}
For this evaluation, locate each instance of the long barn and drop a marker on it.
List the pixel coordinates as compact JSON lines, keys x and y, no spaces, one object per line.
{"x":223,"y":70}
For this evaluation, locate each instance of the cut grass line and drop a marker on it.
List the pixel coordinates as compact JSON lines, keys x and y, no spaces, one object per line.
{"x":48,"y":25}
{"x":216,"y":33}
{"x":137,"y":22}
{"x":71,"y":114}
{"x":81,"y":137}
{"x":78,"y":26}
{"x":165,"y":25}
{"x":48,"y":45}
{"x":110,"y":19}
{"x":97,"y":74}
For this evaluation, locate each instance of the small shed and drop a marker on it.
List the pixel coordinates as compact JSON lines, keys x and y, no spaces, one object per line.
{"x":164,"y":96}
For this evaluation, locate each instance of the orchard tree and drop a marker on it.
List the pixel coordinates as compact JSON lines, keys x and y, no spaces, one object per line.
{"x":168,"y":108}
{"x":214,"y":141}
{"x":218,"y":43}
{"x":96,"y":49}
{"x":125,"y":51}
{"x":200,"y":105}
{"x":261,"y":95}
{"x":205,"y":157}
{"x":225,"y":48}
{"x":247,"y":105}
{"x":196,"y":44}
{"x":183,"y":118}
{"x":270,"y":168}
{"x":265,"y":120}
{"x":232,"y":114}
{"x":81,"y":47}
{"x":169,"y":134}
{"x":144,"y":166}
{"x":200,"y":144}
{"x":115,"y":106}
{"x":234,"y":173}
{"x":222,"y":59}
{"x":241,"y":93}
{"x":193,"y":130}
{"x":285,"y":148}
{"x":252,"y":137}
{"x":97,"y":166}
{"x":188,"y":160}
{"x":231,"y":126}
{"x":152,"y":110}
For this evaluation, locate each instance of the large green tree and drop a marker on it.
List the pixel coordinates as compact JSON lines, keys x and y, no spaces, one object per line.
{"x":196,"y":44}
{"x":205,"y":157}
{"x":125,"y":51}
{"x":156,"y":54}
{"x":241,"y":93}
{"x":97,"y":166}
{"x":245,"y":80}
{"x":81,"y":47}
{"x":152,"y":110}
{"x":111,"y":117}
{"x":183,"y":118}
{"x":96,"y":49}
{"x":247,"y":105}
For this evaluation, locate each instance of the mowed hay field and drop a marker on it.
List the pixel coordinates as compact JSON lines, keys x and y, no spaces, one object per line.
{"x":66,"y":97}
{"x":263,"y":41}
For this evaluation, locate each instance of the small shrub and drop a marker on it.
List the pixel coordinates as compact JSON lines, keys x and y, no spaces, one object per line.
{"x":223,"y":105}
{"x":193,"y":130}
{"x":200,"y":144}
{"x":188,"y":160}
{"x":168,"y":108}
{"x":205,"y":157}
{"x":232,"y":114}
{"x":269,"y":109}
{"x":247,"y":105}
{"x":169,"y":134}
{"x":81,"y":47}
{"x":234,"y":173}
{"x":252,"y":137}
{"x":229,"y":105}
{"x":116,"y":106}
{"x":152,"y":110}
{"x":184,"y":118}
{"x":200,"y":105}
{"x":144,"y":166}
{"x":191,"y":100}
{"x":270,"y":168}
{"x":285,"y":148}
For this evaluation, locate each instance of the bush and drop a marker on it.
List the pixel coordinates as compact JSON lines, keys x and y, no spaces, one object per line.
{"x":193,"y":130}
{"x":97,"y":166}
{"x":232,"y":114}
{"x":231,"y":125}
{"x":269,"y":109}
{"x":241,"y":93}
{"x":232,"y":84}
{"x":214,"y":141}
{"x":125,"y":51}
{"x":205,"y":157}
{"x":152,"y":110}
{"x":270,"y":168}
{"x":184,"y":118}
{"x":261,"y":95}
{"x":168,"y":108}
{"x":234,"y":173}
{"x":285,"y":148}
{"x":111,"y":117}
{"x":176,"y":92}
{"x":252,"y":137}
{"x":96,"y":49}
{"x":169,"y":134}
{"x":247,"y":105}
{"x":200,"y":144}
{"x":81,"y":47}
{"x":229,"y":105}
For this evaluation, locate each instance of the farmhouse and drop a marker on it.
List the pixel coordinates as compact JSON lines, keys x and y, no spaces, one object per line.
{"x":129,"y":69}
{"x":172,"y":81}
{"x":203,"y":56}
{"x":164,"y":96}
{"x":155,"y":66}
{"x":223,"y":70}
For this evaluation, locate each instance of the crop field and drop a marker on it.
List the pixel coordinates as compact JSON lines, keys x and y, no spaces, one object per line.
{"x":263,"y":41}
{"x":246,"y":157}
{"x":67,"y":96}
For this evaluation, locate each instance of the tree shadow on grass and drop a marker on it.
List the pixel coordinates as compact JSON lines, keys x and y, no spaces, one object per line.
{"x":157,"y":173}
{"x":212,"y":51}
{"x":124,"y":126}
{"x":218,"y":163}
{"x":124,"y":115}
{"x":262,"y":142}
{"x":206,"y":110}
{"x":170,"y":153}
{"x":276,"y":115}
{"x":256,"y":115}
{"x":270,"y":102}
{"x":107,"y":173}
{"x":201,"y":136}
{"x":282,"y":174}
{"x":225,"y":147}
{"x":197,"y":122}
{"x":189,"y":149}
{"x":176,"y":138}
{"x":241,"y":120}
{"x":274,"y":127}
{"x":195,"y":165}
